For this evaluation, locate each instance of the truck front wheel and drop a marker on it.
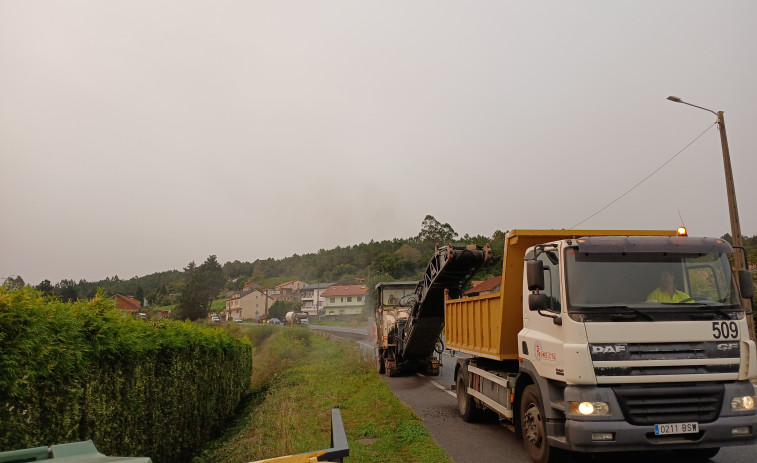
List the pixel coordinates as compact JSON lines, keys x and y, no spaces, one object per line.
{"x":534,"y":427}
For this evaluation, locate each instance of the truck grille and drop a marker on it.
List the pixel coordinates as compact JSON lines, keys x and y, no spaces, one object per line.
{"x":647,"y":405}
{"x":657,"y":359}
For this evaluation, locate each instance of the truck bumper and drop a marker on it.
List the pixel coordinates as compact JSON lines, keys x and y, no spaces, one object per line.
{"x":582,"y":435}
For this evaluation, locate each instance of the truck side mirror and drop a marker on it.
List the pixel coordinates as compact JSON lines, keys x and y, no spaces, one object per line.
{"x":746,"y":284}
{"x":537,"y":302}
{"x":535,"y":275}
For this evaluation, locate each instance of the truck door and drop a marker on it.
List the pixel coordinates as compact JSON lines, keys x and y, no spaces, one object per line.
{"x":544,"y":338}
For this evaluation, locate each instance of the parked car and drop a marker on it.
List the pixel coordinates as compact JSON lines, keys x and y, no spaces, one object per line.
{"x":274,"y":321}
{"x":216,"y":319}
{"x":237,"y":320}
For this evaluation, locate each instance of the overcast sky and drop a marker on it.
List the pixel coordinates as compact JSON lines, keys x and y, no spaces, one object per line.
{"x":137,"y":136}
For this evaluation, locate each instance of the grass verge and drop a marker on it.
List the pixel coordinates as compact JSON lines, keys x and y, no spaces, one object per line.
{"x":298,"y":378}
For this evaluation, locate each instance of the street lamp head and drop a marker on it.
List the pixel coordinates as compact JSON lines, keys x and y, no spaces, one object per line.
{"x":675,"y":99}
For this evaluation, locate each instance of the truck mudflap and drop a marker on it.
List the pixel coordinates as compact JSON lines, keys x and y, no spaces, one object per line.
{"x":614,"y":436}
{"x":432,"y":367}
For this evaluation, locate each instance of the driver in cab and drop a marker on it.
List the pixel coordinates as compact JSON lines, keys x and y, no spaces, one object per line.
{"x":667,"y":292}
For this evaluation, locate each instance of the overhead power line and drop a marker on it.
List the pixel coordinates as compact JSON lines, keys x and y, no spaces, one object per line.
{"x":648,"y":176}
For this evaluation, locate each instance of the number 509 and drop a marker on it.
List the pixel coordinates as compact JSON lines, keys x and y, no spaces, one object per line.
{"x":725,"y":330}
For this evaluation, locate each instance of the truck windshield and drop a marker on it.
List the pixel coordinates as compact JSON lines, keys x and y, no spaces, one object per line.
{"x":651,"y":286}
{"x":396,"y":296}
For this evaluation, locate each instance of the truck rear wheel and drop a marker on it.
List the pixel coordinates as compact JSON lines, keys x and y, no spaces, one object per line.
{"x":533,"y":424}
{"x":392,"y":369}
{"x":380,"y":362}
{"x":465,"y":403}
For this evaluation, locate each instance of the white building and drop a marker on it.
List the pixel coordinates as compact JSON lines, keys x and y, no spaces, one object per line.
{"x":312,"y":297}
{"x":340,"y":300}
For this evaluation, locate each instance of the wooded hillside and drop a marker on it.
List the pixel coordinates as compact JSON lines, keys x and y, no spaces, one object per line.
{"x":397,"y":259}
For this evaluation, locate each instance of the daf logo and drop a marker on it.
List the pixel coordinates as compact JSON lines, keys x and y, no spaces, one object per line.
{"x":608,"y":349}
{"x":727,"y":346}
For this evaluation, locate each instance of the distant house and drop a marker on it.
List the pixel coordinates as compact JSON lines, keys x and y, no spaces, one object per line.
{"x":344,"y":300}
{"x":127,"y":305}
{"x":273,"y":294}
{"x":312,"y":297}
{"x":481,"y":288}
{"x":248,"y":304}
{"x":287,"y":290}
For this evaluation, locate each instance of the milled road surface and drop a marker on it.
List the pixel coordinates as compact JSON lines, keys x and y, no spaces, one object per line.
{"x":432,"y":400}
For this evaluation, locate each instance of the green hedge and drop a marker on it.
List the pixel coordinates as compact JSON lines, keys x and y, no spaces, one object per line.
{"x":77,"y":371}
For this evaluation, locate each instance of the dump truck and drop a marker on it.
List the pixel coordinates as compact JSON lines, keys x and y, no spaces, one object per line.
{"x":610,"y":340}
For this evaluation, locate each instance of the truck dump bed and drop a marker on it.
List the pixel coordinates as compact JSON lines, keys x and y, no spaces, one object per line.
{"x":488,"y":326}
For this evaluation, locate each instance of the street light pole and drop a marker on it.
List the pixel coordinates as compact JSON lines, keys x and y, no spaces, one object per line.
{"x":739,"y":259}
{"x":733,"y":210}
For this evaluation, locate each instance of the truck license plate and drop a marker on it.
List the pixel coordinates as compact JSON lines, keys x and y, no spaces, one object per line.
{"x":676,"y":428}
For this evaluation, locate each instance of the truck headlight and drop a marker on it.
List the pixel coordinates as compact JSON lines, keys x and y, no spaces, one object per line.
{"x":589,"y":408}
{"x":742,"y":403}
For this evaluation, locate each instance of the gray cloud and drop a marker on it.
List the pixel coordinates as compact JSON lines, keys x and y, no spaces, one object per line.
{"x":137,"y":136}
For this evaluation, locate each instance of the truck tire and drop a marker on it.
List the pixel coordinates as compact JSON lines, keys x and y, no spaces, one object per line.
{"x":380,"y":362}
{"x":465,"y":403}
{"x":392,"y":369}
{"x":696,"y":454}
{"x":533,"y":424}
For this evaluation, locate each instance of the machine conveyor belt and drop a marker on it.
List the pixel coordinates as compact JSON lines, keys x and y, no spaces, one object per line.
{"x":450,"y":268}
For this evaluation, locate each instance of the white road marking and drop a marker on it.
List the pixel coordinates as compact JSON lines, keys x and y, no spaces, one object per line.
{"x":367,"y":346}
{"x":444,"y":389}
{"x":438,"y":385}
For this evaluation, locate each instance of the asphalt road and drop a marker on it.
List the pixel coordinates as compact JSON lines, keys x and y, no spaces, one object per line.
{"x":432,"y":399}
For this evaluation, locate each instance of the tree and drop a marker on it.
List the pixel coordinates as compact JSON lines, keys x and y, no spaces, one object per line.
{"x":258,"y":275}
{"x":159,"y":297}
{"x":236,"y":269}
{"x":236,"y":284}
{"x":68,"y":294}
{"x":139,"y":294}
{"x":13,"y":283}
{"x":201,"y":285}
{"x":45,"y":287}
{"x":434,"y":232}
{"x":279,"y":309}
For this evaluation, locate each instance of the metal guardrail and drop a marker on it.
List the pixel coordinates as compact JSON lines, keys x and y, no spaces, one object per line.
{"x":337,"y":453}
{"x":340,"y":449}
